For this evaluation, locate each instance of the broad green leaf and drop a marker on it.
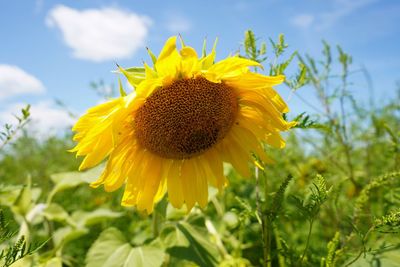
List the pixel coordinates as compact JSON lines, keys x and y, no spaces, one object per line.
{"x":240,"y":262}
{"x":53,"y":262}
{"x":24,"y":262}
{"x":200,"y":250}
{"x":68,"y":180}
{"x":66,"y":234}
{"x":112,"y":250}
{"x":83,"y":218}
{"x":174,"y":214}
{"x":144,"y":256}
{"x":108,"y":242}
{"x":171,"y":236}
{"x":55,"y":212}
{"x":9,"y":194}
{"x":116,"y":258}
{"x":23,"y":203}
{"x":181,"y":263}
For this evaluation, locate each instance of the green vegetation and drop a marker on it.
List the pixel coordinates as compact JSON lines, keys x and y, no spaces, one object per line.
{"x":331,"y":199}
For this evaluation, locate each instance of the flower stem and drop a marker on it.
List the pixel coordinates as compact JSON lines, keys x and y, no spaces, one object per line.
{"x":265,"y":223}
{"x":308,"y":242}
{"x":156,"y":224}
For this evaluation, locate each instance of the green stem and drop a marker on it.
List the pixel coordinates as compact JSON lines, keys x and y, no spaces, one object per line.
{"x":281,"y":259}
{"x":364,"y":239}
{"x":267,"y":240}
{"x":308,"y":241}
{"x":266,"y":226}
{"x":156,"y":224}
{"x":259,"y":212}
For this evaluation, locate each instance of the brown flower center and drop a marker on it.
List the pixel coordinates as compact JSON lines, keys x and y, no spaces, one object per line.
{"x":185,"y":118}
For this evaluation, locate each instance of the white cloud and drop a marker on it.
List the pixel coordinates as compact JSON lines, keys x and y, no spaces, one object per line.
{"x":178,"y":24}
{"x":342,"y":9}
{"x":302,"y":21}
{"x":100,"y":34}
{"x":46,"y":118}
{"x":324,"y":20}
{"x":15,"y":81}
{"x":38,"y":5}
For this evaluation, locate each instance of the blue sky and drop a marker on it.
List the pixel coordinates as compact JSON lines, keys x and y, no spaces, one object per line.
{"x":54,"y":49}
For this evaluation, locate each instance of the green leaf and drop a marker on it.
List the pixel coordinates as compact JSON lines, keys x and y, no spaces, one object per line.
{"x":107,"y":244}
{"x":23,"y":202}
{"x":68,"y":180}
{"x":174,"y":214}
{"x":112,"y":250}
{"x":200,"y":250}
{"x":66,"y":234}
{"x":304,"y":121}
{"x":83,"y":218}
{"x":9,"y":194}
{"x":144,"y":256}
{"x":55,"y":212}
{"x":25,"y":112}
{"x":24,"y":262}
{"x":171,"y":236}
{"x":250,"y":44}
{"x":53,"y":262}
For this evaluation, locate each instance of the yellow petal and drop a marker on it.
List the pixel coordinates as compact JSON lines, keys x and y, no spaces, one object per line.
{"x":151,"y":175}
{"x":168,"y":49}
{"x":253,"y":81}
{"x":238,"y":157}
{"x":275,"y":140}
{"x":214,"y":168}
{"x":169,"y":61}
{"x":190,"y":65}
{"x":174,"y":184}
{"x":188,"y":52}
{"x":100,"y":151}
{"x":200,"y":183}
{"x":187,"y":176}
{"x":229,"y":68}
{"x":264,"y":96}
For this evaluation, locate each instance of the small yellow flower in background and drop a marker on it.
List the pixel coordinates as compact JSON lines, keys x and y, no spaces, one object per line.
{"x":186,"y":117}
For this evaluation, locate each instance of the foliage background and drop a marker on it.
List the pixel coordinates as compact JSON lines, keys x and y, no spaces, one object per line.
{"x":331,"y":199}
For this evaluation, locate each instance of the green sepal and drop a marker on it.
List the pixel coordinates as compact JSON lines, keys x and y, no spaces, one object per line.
{"x":149,"y":72}
{"x":121,"y":89}
{"x":135,"y":75}
{"x":181,"y":41}
{"x":204,"y":49}
{"x":209,"y":60}
{"x":151,"y":54}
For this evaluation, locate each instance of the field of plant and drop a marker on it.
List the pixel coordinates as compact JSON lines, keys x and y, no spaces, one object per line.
{"x":331,"y":198}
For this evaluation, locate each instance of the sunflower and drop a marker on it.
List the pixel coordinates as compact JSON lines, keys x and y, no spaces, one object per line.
{"x":186,"y":117}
